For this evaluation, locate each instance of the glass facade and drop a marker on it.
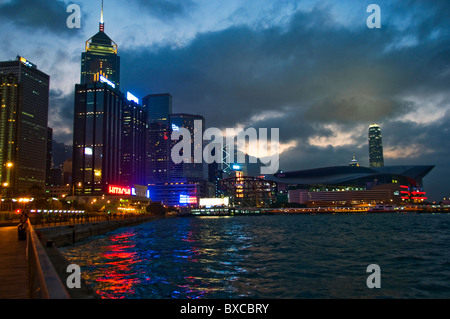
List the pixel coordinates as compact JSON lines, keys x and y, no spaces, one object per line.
{"x":159,"y":108}
{"x":375,"y":146}
{"x":9,"y":125}
{"x":100,"y":59}
{"x":191,"y":170}
{"x":97,"y":140}
{"x":133,"y":144}
{"x":30,"y":140}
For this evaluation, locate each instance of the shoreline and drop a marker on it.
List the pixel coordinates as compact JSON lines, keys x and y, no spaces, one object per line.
{"x":55,"y":237}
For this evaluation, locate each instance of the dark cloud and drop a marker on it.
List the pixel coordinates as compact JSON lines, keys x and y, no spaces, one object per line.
{"x":312,"y":72}
{"x":299,"y":77}
{"x":61,"y":108}
{"x":165,"y":9}
{"x":35,"y":15}
{"x":326,"y":73}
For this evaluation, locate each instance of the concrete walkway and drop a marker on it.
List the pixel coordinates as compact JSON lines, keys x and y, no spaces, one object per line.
{"x":13,"y":265}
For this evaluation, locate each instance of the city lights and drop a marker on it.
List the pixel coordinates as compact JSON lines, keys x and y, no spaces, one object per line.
{"x":105,"y":80}
{"x":131,"y":97}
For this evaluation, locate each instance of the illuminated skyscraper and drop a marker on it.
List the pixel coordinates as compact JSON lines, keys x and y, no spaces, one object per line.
{"x":375,"y":146}
{"x":97,"y":137}
{"x":98,"y":118}
{"x":24,"y":93}
{"x":100,"y":58}
{"x":134,"y":154}
{"x":192,"y":170}
{"x":159,"y":108}
{"x":109,"y":127}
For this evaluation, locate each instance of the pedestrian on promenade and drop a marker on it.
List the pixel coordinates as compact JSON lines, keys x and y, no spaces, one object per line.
{"x":22,"y":228}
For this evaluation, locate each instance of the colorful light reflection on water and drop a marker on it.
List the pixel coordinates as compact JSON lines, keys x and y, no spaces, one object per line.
{"x":270,"y":257}
{"x":184,"y":260}
{"x":119,"y":279}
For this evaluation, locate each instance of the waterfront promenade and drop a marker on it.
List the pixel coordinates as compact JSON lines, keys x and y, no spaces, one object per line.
{"x":13,"y":265}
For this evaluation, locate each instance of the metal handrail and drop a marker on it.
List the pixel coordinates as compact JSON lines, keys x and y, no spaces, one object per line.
{"x":43,"y":280}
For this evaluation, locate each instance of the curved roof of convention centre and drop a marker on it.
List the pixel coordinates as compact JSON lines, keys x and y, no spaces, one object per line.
{"x":344,"y":174}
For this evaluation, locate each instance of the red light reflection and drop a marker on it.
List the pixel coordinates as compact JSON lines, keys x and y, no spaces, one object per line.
{"x":118,"y":280}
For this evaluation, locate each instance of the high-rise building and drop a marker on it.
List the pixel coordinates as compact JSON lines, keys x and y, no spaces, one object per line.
{"x":9,"y":126}
{"x":109,"y":140}
{"x":24,"y":100}
{"x":375,"y":146}
{"x":134,"y":144}
{"x":159,"y":108}
{"x":97,"y":137}
{"x":186,"y":182}
{"x":100,"y":58}
{"x":197,"y":168}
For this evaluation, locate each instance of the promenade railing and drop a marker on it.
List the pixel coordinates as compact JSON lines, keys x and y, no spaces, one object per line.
{"x":43,"y":280}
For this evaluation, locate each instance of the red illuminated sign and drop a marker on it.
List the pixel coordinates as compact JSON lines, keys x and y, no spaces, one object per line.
{"x":119,"y":190}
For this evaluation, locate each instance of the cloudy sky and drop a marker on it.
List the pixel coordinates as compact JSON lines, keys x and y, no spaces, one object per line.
{"x":311,"y":68}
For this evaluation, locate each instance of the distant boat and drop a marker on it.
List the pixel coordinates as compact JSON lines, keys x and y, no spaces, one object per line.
{"x":383,"y":208}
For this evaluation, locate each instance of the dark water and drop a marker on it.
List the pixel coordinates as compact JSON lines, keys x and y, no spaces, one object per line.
{"x":300,"y":256}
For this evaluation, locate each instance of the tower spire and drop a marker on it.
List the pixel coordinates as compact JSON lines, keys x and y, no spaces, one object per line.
{"x":102,"y":24}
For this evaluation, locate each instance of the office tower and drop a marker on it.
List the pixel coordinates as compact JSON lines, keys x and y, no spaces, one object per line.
{"x":375,"y":146}
{"x":159,"y":107}
{"x":109,"y":146}
{"x":133,"y":144}
{"x":100,"y":58}
{"x":97,"y":137}
{"x":23,"y":128}
{"x":190,"y":170}
{"x":9,"y":125}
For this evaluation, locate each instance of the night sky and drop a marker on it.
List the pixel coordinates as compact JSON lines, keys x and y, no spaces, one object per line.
{"x":311,"y":68}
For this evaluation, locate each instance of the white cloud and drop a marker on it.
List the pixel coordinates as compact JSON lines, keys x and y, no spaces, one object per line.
{"x":426,"y":108}
{"x":338,"y":137}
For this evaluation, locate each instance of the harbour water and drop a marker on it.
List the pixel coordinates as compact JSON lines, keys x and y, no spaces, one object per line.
{"x":271,"y":256}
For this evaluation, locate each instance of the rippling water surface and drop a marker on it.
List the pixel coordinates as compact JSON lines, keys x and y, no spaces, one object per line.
{"x":300,"y":256}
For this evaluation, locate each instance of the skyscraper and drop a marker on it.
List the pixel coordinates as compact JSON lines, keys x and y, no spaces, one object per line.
{"x":97,"y":137}
{"x":24,"y":99}
{"x":190,"y":170}
{"x":134,"y":154}
{"x":375,"y":146}
{"x":100,"y":58}
{"x":159,"y":108}
{"x":9,"y":126}
{"x":109,"y":127}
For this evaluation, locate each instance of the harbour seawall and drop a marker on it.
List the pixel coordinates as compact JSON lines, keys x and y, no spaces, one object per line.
{"x":70,"y":234}
{"x":60,"y":236}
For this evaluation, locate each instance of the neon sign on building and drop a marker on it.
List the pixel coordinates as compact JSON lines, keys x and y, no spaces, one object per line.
{"x":105,"y":80}
{"x":131,"y":97}
{"x":186,"y":199}
{"x":133,"y":191}
{"x":119,"y":190}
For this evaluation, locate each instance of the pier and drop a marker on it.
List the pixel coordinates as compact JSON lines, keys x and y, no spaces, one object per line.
{"x":13,"y":265}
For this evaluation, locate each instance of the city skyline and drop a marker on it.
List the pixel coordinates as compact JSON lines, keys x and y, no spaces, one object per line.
{"x":268,"y":69}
